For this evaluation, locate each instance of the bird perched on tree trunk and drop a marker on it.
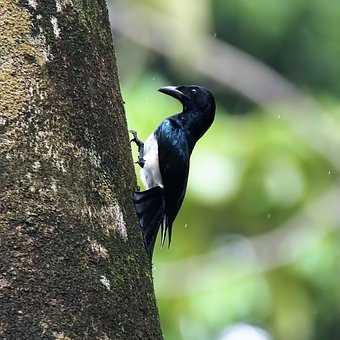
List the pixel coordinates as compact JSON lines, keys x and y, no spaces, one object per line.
{"x":164,"y":159}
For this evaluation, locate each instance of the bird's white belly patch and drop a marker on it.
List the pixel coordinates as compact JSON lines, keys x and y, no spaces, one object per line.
{"x":150,"y":173}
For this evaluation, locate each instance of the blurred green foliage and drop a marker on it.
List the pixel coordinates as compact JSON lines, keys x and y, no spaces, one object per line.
{"x":299,"y":38}
{"x":250,"y":175}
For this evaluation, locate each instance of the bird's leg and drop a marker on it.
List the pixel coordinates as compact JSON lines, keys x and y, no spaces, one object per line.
{"x":140,"y":146}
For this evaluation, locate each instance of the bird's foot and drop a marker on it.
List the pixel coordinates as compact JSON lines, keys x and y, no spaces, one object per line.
{"x":140,"y":162}
{"x":140,"y":146}
{"x":136,"y":140}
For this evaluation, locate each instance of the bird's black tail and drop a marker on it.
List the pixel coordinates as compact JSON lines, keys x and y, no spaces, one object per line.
{"x":150,"y":208}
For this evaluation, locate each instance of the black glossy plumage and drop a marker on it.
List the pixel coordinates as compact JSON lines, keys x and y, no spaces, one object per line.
{"x":173,"y":156}
{"x":176,"y":137}
{"x":150,"y":209}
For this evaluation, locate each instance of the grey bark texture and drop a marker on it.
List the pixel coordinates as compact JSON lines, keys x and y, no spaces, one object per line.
{"x":72,"y":260}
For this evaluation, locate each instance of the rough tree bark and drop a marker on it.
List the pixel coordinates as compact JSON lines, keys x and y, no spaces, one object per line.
{"x":72,"y":261}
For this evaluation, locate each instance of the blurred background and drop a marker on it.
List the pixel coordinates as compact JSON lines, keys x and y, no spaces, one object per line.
{"x":255,"y":252}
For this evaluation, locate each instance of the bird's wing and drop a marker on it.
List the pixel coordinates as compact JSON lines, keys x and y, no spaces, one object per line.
{"x":173,"y":156}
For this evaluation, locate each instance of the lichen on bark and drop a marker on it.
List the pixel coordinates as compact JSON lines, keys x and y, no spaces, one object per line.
{"x":72,"y":260}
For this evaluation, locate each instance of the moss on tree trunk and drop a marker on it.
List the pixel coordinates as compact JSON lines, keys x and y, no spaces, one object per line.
{"x":72,"y":261}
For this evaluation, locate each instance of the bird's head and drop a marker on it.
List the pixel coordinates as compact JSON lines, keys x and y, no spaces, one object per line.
{"x":198,"y":105}
{"x":192,"y":97}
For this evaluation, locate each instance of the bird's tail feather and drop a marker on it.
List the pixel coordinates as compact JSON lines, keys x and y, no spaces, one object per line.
{"x":165,"y":227}
{"x":150,"y":208}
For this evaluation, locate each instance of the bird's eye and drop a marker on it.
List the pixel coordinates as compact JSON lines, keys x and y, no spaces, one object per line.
{"x":193,"y":91}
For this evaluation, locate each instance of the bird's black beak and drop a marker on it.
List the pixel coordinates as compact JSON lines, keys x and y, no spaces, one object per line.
{"x":173,"y":91}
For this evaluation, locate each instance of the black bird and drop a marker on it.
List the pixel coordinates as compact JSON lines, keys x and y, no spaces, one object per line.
{"x":165,"y":157}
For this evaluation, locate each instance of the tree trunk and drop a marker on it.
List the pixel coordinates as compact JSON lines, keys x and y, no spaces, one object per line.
{"x":72,"y":264}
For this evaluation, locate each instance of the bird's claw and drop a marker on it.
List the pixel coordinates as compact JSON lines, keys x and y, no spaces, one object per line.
{"x":135,"y":139}
{"x":140,"y":146}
